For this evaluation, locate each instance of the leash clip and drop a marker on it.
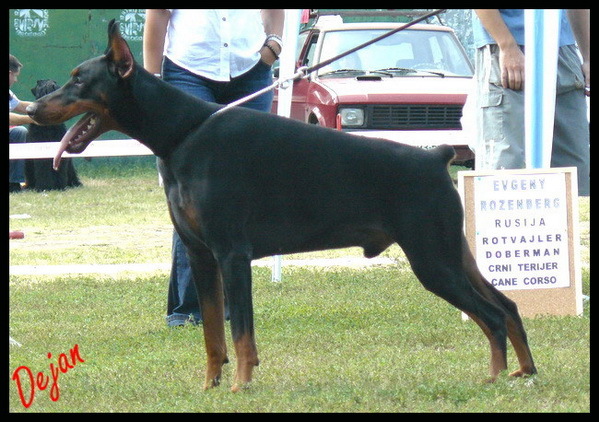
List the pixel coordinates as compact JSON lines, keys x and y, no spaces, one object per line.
{"x":300,"y":73}
{"x":286,"y":83}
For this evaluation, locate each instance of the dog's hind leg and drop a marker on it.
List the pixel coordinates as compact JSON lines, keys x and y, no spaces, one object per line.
{"x":489,"y":317}
{"x":211,"y":297}
{"x":237,"y":277}
{"x":437,"y":262}
{"x":516,"y":332}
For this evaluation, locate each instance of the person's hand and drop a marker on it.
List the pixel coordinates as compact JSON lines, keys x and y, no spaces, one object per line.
{"x":586,"y":70}
{"x":269,"y":55}
{"x":511,"y":62}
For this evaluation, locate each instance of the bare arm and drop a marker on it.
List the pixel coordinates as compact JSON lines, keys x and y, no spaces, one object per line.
{"x":580,"y":21}
{"x":274,"y":21}
{"x":153,"y":40}
{"x":511,"y":58}
{"x":16,"y":119}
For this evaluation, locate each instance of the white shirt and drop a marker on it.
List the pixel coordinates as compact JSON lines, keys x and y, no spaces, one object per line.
{"x":13,"y":101}
{"x":217,"y":44}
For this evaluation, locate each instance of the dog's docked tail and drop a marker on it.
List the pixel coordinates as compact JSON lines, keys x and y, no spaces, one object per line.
{"x":445,"y":152}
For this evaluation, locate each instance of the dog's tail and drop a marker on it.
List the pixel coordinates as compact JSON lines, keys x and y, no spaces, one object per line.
{"x":445,"y":153}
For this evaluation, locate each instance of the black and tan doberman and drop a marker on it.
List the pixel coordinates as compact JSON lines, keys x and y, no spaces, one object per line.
{"x":242,"y":185}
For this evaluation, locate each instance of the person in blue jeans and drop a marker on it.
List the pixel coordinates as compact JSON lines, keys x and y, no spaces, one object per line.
{"x":219,"y":56}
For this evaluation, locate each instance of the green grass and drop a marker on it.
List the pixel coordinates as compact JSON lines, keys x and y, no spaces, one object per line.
{"x":330,"y":340}
{"x":100,"y":223}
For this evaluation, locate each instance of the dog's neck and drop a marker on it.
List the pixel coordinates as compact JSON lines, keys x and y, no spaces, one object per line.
{"x":143,"y":112}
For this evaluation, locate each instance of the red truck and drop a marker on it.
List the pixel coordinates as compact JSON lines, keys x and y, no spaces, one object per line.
{"x":409,"y":87}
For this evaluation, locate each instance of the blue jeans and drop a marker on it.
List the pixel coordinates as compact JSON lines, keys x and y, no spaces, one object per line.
{"x":182,"y":303}
{"x":16,"y":170}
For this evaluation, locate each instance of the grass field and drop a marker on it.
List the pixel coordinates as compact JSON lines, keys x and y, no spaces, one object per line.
{"x":330,"y":339}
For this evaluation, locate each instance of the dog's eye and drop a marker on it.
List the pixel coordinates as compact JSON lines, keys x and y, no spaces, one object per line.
{"x":77,"y":80}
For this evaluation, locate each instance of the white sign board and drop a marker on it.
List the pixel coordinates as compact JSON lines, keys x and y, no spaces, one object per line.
{"x":522,"y":230}
{"x":522,"y":226}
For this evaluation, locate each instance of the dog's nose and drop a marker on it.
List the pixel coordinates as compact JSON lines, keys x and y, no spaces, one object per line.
{"x":31,"y":109}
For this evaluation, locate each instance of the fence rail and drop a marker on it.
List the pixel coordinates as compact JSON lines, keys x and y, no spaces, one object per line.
{"x":102,"y":148}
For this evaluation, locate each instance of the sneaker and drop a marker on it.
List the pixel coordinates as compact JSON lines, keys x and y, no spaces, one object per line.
{"x":181,"y":320}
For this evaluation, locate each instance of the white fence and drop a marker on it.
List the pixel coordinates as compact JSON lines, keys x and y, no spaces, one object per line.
{"x":106,"y":148}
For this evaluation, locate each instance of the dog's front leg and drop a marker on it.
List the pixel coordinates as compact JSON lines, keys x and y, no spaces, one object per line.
{"x":237,"y":276}
{"x":211,"y":296}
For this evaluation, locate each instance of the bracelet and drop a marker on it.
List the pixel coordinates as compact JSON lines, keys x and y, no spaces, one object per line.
{"x":275,"y":38}
{"x":158,"y":75}
{"x":272,"y":50}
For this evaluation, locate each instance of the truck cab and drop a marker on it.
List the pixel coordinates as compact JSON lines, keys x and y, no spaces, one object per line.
{"x":409,"y":87}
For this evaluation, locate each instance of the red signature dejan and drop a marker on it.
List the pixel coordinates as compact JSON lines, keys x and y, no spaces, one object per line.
{"x":23,"y":377}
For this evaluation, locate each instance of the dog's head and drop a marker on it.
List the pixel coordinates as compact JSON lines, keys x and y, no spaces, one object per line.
{"x":95,"y":87}
{"x":44,"y":87}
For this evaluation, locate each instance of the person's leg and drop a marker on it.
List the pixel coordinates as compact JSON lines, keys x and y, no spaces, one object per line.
{"x":16,"y":168}
{"x":571,"y":127}
{"x":182,"y":304}
{"x":500,"y":119}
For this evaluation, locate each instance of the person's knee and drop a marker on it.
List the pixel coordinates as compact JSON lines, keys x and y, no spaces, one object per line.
{"x":17,"y":134}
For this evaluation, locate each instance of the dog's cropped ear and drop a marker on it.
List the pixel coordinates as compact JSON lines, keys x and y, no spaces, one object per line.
{"x":118,"y":51}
